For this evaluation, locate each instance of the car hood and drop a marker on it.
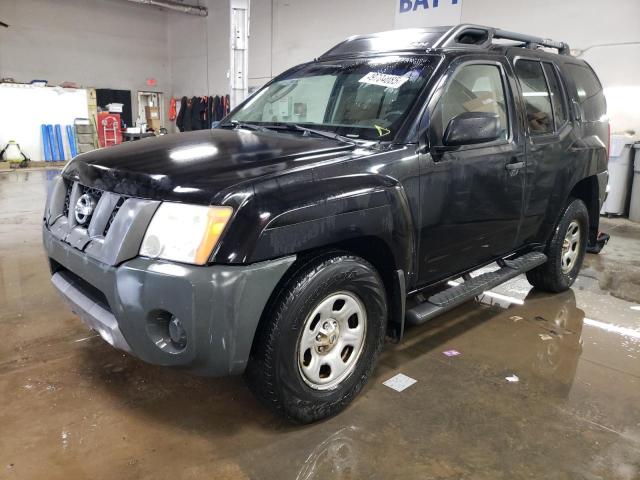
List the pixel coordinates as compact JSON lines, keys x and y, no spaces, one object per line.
{"x":196,"y":166}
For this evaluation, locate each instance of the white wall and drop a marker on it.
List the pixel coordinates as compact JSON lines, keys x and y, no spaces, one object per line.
{"x":29,"y":107}
{"x":260,"y":54}
{"x":199,"y":51}
{"x":304,"y":29}
{"x":618,"y":67}
{"x":187,"y":55}
{"x":582,"y":23}
{"x":96,"y":43}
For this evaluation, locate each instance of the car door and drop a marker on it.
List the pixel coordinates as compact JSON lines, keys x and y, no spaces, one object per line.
{"x":550,"y":142}
{"x":471,"y":195}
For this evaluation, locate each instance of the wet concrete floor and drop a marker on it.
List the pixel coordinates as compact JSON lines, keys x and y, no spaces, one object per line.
{"x":71,"y":407}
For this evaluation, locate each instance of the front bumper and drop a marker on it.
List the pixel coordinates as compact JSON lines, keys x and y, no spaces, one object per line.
{"x":219,"y":306}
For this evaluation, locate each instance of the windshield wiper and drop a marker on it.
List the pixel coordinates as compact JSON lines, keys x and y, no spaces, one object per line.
{"x":291,"y":127}
{"x":320,"y":133}
{"x":247,"y":126}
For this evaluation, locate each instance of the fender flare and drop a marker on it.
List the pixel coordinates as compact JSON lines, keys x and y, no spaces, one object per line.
{"x":358,"y":206}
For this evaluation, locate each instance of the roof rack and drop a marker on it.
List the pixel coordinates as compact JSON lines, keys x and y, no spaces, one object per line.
{"x":424,"y":39}
{"x":478,"y":35}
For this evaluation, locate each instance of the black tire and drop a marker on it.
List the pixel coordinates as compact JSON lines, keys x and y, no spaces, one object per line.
{"x":550,"y":276}
{"x":273,"y":373}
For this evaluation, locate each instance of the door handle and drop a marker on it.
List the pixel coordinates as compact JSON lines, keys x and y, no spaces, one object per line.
{"x":514,"y":166}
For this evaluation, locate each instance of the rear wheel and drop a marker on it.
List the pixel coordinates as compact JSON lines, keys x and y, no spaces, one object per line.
{"x":565,"y":251}
{"x":320,"y":339}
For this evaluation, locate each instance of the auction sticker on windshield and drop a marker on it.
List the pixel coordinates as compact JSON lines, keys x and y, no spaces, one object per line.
{"x":383,"y":79}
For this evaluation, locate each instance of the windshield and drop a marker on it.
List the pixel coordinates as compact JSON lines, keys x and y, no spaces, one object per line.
{"x":362,"y":99}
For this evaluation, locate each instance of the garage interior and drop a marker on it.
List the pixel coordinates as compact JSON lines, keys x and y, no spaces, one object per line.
{"x":516,"y":384}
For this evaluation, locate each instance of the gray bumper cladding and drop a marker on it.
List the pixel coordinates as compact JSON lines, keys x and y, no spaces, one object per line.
{"x":92,"y":313}
{"x":131,"y":305}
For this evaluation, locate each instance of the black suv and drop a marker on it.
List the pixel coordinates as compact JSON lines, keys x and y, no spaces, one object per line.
{"x":334,"y":206}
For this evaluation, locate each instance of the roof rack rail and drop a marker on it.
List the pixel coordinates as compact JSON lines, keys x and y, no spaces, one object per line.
{"x":481,"y":36}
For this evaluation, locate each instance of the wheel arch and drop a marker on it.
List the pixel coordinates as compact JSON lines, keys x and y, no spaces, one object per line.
{"x":338,"y":210}
{"x":367,"y":215}
{"x":379,"y":254}
{"x":370,"y":248}
{"x":587,"y":190}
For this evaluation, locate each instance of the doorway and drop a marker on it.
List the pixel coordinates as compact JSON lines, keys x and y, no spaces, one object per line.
{"x":150,"y":99}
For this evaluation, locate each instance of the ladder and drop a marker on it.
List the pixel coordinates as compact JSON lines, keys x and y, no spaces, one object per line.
{"x":85,"y":135}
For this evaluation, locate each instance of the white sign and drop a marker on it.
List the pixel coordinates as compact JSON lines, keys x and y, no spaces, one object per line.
{"x":383,"y":79}
{"x":427,"y":13}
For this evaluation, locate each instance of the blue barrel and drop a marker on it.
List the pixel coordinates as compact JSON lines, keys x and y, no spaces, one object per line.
{"x":46,"y":145}
{"x":52,"y":144}
{"x":60,"y":141}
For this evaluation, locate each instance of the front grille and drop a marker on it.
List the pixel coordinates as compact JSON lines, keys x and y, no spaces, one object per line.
{"x":94,"y":192}
{"x":113,"y":215}
{"x":98,"y":235}
{"x":97,"y":195}
{"x":67,"y":198}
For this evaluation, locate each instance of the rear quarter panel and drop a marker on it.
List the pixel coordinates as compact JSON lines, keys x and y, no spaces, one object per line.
{"x":557,"y":163}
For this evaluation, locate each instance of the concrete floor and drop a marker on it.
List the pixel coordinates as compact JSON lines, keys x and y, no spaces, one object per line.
{"x":73,"y":407}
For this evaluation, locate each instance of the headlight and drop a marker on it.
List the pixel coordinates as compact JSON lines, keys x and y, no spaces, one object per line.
{"x":184,"y":233}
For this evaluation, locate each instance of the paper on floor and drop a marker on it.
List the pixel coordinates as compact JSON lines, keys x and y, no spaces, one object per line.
{"x":399,"y":382}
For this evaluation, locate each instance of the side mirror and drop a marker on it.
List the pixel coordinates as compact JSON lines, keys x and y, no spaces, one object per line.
{"x":472,"y":127}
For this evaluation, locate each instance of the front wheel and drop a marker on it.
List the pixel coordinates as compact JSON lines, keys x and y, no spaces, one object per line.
{"x":565,"y":251}
{"x":320,"y":339}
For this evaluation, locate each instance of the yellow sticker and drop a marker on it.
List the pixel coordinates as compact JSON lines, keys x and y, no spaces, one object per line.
{"x":382,"y":131}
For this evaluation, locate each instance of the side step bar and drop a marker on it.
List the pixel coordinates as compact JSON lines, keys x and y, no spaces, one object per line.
{"x":452,"y":297}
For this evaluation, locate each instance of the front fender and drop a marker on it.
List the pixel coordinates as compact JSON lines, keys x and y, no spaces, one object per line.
{"x":340,"y":209}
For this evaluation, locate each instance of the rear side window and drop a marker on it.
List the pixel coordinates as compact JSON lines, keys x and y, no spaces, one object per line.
{"x":557,"y":97}
{"x":586,"y":82}
{"x":536,"y":96}
{"x":589,"y":91}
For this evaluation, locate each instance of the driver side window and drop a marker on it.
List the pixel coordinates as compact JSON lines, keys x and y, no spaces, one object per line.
{"x":473,"y":88}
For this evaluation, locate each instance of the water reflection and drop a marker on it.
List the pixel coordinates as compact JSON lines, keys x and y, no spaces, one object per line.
{"x":552,"y":348}
{"x":558,"y":349}
{"x":336,"y":457}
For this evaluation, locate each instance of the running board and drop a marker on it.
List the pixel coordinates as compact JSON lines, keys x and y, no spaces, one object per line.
{"x":452,"y":297}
